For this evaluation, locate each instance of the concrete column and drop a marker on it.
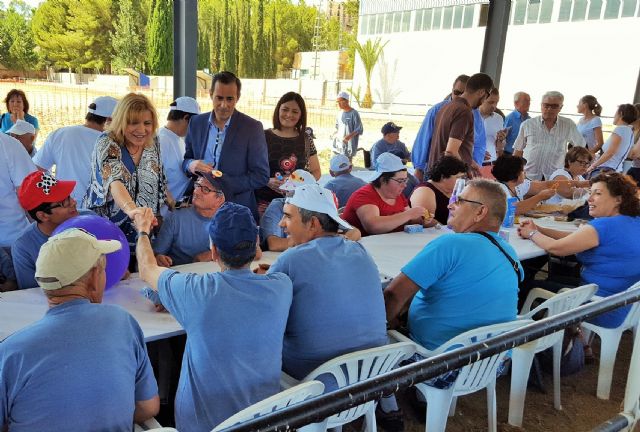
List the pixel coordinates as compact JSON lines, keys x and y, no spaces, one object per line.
{"x":495,"y":37}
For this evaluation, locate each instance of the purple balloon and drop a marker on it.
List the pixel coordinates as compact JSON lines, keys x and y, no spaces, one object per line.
{"x":103,"y":229}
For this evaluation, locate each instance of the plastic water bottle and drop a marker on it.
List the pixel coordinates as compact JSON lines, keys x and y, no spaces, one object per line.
{"x":510,"y":216}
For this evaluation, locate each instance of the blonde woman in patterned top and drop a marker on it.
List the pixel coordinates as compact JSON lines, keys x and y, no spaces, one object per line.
{"x":126,"y":171}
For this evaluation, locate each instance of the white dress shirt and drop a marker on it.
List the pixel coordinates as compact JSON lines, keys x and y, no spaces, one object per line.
{"x":545,"y":149}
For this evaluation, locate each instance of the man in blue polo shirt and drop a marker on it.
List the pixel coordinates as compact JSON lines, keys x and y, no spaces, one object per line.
{"x":83,"y":366}
{"x":450,"y":290}
{"x":512,"y":122}
{"x":49,"y":203}
{"x":234,"y":319}
{"x":337,"y":306}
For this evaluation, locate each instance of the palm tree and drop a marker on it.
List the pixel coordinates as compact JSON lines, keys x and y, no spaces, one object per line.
{"x":369,"y":54}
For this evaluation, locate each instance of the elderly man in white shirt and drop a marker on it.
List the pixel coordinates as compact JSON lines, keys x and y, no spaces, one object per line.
{"x":542,"y":140}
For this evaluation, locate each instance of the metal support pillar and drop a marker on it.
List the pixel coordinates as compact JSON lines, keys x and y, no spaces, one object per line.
{"x":185,"y":47}
{"x":495,"y":37}
{"x":636,"y":96}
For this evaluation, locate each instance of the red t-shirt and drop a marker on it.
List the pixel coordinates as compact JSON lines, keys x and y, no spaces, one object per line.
{"x":368,"y":195}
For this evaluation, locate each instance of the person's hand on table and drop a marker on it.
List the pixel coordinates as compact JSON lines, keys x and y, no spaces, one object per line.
{"x":262,"y":268}
{"x":415,"y":213}
{"x":526,"y":228}
{"x":164,"y":260}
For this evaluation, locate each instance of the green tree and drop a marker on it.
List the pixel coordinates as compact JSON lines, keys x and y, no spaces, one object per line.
{"x":17,"y":47}
{"x":246,"y":56}
{"x":126,"y":40}
{"x":369,"y":53}
{"x":160,"y":39}
{"x":261,"y":45}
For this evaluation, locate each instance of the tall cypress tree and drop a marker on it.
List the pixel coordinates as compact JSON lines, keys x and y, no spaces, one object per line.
{"x":225,"y":35}
{"x":261,"y":46}
{"x":126,"y":41}
{"x":160,"y":39}
{"x":273,"y":65}
{"x":246,"y":62}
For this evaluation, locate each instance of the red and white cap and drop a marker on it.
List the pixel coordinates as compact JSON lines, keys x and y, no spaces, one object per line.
{"x":40,"y":187}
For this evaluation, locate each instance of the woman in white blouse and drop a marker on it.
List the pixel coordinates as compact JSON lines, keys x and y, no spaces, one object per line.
{"x":590,"y":125}
{"x":618,"y":144}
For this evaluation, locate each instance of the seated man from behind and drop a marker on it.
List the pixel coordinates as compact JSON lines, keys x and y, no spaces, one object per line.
{"x":449,"y":288}
{"x":234,"y":319}
{"x":49,"y":203}
{"x":83,"y":366}
{"x":183,"y":236}
{"x":343,"y":183}
{"x":338,"y":306}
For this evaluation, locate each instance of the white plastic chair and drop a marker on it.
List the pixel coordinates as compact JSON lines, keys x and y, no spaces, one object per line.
{"x":609,"y":341}
{"x":355,"y":367}
{"x":522,"y":356}
{"x":471,"y":378}
{"x":277,"y":402}
{"x":152,"y":425}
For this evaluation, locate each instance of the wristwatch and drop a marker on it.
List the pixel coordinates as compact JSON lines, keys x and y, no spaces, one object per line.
{"x":143,"y":233}
{"x":531,"y":234}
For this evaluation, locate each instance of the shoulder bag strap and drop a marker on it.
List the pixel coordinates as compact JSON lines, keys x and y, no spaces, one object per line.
{"x":513,"y":262}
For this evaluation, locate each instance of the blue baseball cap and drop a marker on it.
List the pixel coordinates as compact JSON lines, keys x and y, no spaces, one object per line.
{"x":233,"y":230}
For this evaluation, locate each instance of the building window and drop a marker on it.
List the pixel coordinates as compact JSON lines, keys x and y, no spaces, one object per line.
{"x":447,"y":17}
{"x":484,"y":15}
{"x":532,"y":13}
{"x":595,"y":9}
{"x":388,"y":22}
{"x":437,"y":18}
{"x":565,"y":11}
{"x":457,"y":16}
{"x":612,"y":10}
{"x":579,"y":10}
{"x":467,"y":21}
{"x":380,"y":23}
{"x":406,"y":21}
{"x":546,"y":9}
{"x":519,"y":12}
{"x":426,"y":20}
{"x":417,"y":20}
{"x":628,"y":8}
{"x":397,"y":20}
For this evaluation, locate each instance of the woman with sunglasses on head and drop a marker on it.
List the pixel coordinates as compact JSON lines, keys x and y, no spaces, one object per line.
{"x":619,"y":143}
{"x":290,"y":147}
{"x":590,"y":125}
{"x":380,"y":207}
{"x":127,"y":172}
{"x":607,"y":246}
{"x":434,"y":194}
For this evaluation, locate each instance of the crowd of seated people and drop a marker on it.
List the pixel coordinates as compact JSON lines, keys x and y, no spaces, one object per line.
{"x":217,"y":187}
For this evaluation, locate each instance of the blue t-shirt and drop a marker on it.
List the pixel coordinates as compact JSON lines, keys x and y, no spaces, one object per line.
{"x":381,"y":146}
{"x":7,"y":123}
{"x":337,"y":303}
{"x":479,"y":137}
{"x":183,"y":235}
{"x":586,"y":129}
{"x":235,"y":322}
{"x":422,"y":143}
{"x":269,"y":223}
{"x":343,"y":186}
{"x":614,"y":265}
{"x":513,"y":119}
{"x":465,"y":282}
{"x":24,"y":253}
{"x":82,"y":367}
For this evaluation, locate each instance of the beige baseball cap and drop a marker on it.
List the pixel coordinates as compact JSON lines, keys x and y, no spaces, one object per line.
{"x":65,"y":257}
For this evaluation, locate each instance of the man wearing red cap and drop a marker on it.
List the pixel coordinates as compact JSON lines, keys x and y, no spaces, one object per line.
{"x":49,"y":203}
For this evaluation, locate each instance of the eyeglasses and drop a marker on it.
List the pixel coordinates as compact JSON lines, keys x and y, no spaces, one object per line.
{"x":207,"y":190}
{"x":64,"y":204}
{"x":400,"y":181}
{"x":582,"y":162}
{"x":457,"y":92}
{"x":551,"y":106}
{"x":456,"y":199}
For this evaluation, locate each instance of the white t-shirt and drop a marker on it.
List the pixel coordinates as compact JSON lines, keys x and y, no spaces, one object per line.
{"x":625,"y":132}
{"x":492,"y":125}
{"x":172,"y":155}
{"x":15,"y":165}
{"x":520,"y":190}
{"x":69,"y":149}
{"x":562,"y":172}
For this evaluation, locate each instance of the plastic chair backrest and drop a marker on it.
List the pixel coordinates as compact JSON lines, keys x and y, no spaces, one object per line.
{"x":281,"y":400}
{"x":633,"y":316}
{"x":358,"y":366}
{"x":559,"y":303}
{"x":477,"y":375}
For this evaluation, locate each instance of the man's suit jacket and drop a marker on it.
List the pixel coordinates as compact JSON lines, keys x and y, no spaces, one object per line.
{"x":243,"y":160}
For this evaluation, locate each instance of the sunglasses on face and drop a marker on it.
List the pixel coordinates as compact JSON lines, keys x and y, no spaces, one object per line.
{"x":551,"y":106}
{"x":458,"y":92}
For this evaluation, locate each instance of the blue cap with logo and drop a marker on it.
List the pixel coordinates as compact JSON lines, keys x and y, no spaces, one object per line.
{"x":233,"y":230}
{"x":390,"y":127}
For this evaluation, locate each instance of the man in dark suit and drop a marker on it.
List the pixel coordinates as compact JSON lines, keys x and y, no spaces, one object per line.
{"x":229,"y":141}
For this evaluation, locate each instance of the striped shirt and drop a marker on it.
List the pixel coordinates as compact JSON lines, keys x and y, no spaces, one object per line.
{"x":545,"y":149}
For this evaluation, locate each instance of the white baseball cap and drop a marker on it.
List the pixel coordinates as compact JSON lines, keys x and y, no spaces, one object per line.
{"x":318,"y":199}
{"x":298,"y":178}
{"x":104,"y":106}
{"x":66,"y":256}
{"x":186,"y":104}
{"x":21,"y":127}
{"x":343,"y":95}
{"x":387,"y":162}
{"x":339,"y":162}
